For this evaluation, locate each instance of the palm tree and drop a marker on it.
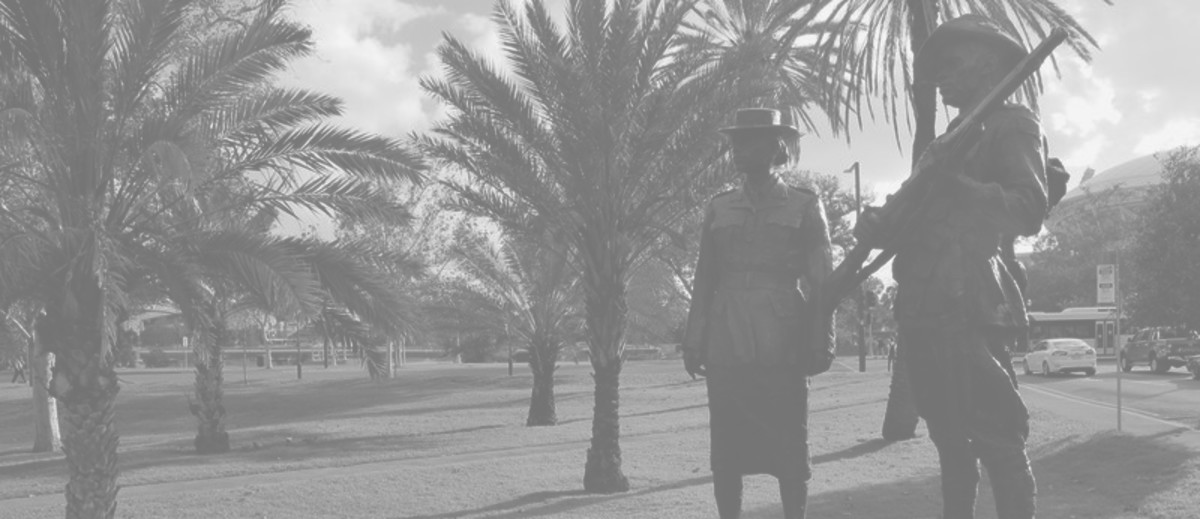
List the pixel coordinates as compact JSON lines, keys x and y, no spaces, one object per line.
{"x":783,"y":53}
{"x":528,"y":290}
{"x":215,"y":275}
{"x":874,"y":55}
{"x":113,"y":133}
{"x":597,"y":135}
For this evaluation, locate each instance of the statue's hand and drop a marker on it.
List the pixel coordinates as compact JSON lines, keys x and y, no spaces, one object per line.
{"x":869,"y":229}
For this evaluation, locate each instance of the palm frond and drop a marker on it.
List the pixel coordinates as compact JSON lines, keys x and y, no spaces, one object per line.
{"x":326,"y":149}
{"x":344,"y":272}
{"x":234,"y":64}
{"x":269,"y":268}
{"x":142,"y":38}
{"x":266,"y":110}
{"x":332,"y":197}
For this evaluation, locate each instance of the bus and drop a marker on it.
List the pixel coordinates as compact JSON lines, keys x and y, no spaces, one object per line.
{"x":1094,"y":324}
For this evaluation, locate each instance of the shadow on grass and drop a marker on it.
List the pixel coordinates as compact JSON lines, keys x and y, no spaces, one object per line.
{"x":259,"y":447}
{"x":274,"y":447}
{"x":644,"y":413}
{"x":553,"y":503}
{"x":1107,"y":476}
{"x":862,"y":449}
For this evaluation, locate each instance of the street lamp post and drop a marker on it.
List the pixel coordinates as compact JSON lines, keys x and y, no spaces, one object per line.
{"x":858,"y":303}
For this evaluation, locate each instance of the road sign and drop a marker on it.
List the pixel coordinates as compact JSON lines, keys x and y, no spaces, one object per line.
{"x":1106,"y":284}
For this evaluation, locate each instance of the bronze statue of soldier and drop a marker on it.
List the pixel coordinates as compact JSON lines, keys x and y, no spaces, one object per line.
{"x":753,"y":328}
{"x":958,"y":303}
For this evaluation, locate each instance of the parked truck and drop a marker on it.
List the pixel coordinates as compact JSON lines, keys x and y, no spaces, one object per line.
{"x":1161,"y":348}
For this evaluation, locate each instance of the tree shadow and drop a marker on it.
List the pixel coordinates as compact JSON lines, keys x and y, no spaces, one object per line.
{"x":644,"y":413}
{"x":1107,"y":476}
{"x":487,"y":404}
{"x":861,"y":449}
{"x":554,"y":503}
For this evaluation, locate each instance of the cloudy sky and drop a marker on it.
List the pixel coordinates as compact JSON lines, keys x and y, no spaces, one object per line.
{"x":1139,"y":95}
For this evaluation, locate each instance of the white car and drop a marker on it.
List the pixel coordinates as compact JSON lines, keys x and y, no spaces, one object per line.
{"x":1049,"y":356}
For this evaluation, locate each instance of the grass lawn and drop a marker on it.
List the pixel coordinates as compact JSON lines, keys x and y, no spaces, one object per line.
{"x":449,"y":441}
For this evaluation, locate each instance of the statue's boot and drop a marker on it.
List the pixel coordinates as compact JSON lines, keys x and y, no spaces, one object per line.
{"x":1013,"y":487}
{"x":795,"y":498}
{"x":727,"y":488}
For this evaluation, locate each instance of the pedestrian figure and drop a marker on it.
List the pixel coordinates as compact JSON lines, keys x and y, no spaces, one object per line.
{"x":754,"y":335}
{"x":957,"y":303}
{"x":18,"y":367}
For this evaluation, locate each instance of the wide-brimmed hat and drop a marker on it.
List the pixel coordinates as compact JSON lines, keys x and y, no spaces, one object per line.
{"x":956,"y":32}
{"x":765,"y":120}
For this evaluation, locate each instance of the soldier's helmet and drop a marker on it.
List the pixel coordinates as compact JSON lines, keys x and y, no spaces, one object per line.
{"x":767,"y":121}
{"x":932,"y":57}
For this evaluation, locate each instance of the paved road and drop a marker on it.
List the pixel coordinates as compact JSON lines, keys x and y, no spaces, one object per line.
{"x":1151,"y":403}
{"x":1170,"y":400}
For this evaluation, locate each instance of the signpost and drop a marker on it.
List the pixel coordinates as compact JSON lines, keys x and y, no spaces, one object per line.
{"x":1106,"y":294}
{"x":1106,"y":284}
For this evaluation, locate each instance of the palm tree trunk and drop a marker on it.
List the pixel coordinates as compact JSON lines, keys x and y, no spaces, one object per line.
{"x":211,"y":437}
{"x":543,"y":360}
{"x":922,"y":19}
{"x":606,"y":313}
{"x":46,"y":437}
{"x":900,"y":420}
{"x":391,"y":359}
{"x":326,"y":351}
{"x":85,"y":383}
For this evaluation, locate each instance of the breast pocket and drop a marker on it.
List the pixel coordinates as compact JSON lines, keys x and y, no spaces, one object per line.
{"x":727,"y":226}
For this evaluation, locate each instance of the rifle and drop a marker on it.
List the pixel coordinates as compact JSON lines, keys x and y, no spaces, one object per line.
{"x":911,"y":196}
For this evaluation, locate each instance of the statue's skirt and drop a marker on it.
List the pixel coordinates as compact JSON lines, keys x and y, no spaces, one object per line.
{"x":759,"y":420}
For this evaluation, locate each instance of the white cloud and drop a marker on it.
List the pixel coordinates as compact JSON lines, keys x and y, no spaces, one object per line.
{"x":1150,"y":98}
{"x":1176,"y":132}
{"x":1084,"y":155}
{"x":359,"y":57}
{"x":1084,"y":103}
{"x":484,"y":38}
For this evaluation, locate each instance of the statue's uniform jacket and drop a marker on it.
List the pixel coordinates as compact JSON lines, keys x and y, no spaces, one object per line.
{"x":948,"y":265}
{"x":762,"y":258}
{"x":957,"y":305}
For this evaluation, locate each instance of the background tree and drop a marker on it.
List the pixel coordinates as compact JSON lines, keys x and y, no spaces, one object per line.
{"x":1166,"y":282}
{"x":1062,"y":267}
{"x":114,"y":126}
{"x":526,"y":291}
{"x":657,"y":303}
{"x":596,"y":135}
{"x":21,"y":308}
{"x":782,"y":50}
{"x":415,"y":261}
